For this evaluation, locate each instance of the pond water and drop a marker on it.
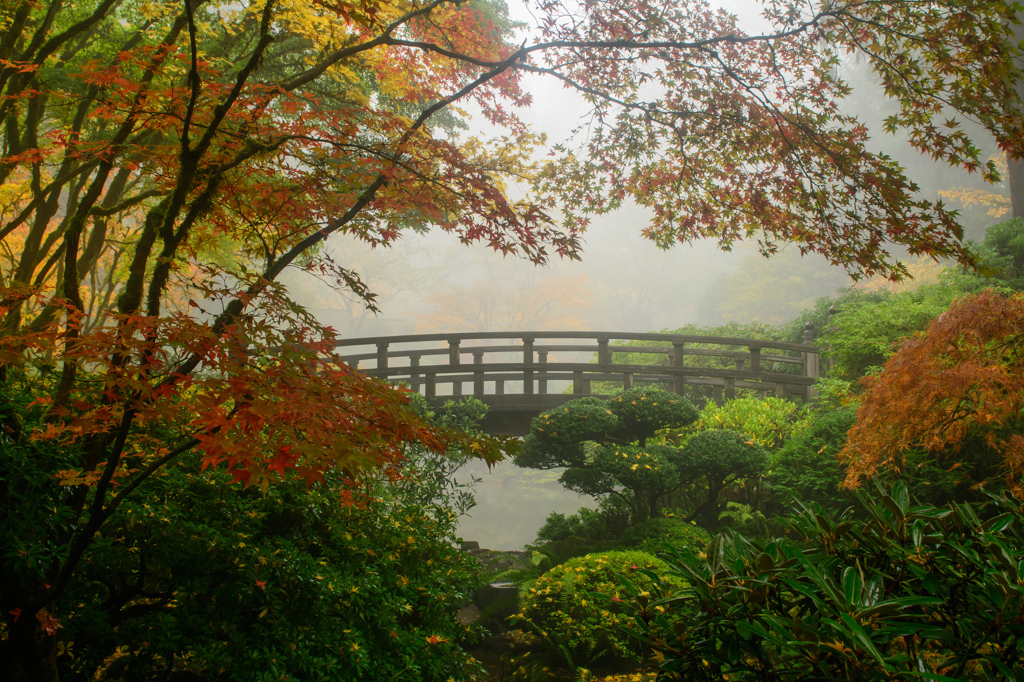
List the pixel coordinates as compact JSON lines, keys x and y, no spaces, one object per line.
{"x":513,"y":503}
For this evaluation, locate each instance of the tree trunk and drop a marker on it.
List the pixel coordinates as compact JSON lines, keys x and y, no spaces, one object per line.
{"x":29,"y":654}
{"x":1016,"y":167}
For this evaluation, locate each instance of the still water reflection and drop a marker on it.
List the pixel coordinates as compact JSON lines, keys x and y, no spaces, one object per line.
{"x":512,"y":504}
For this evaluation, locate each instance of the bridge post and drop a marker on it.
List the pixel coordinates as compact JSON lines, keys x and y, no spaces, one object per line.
{"x":455,"y":359}
{"x":627,"y":381}
{"x":604,"y":356}
{"x":478,"y":375}
{"x":382,"y":355}
{"x":679,"y":360}
{"x":527,"y":360}
{"x":414,"y":377}
{"x":811,"y":367}
{"x":542,"y":383}
{"x":755,"y":357}
{"x":579,"y":386}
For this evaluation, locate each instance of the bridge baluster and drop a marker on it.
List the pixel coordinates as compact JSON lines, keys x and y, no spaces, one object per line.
{"x":604,"y":356}
{"x":382,"y":355}
{"x":542,"y":383}
{"x":478,"y":375}
{"x":414,"y":377}
{"x":679,"y":360}
{"x":811,"y":367}
{"x":454,"y":355}
{"x":579,"y":385}
{"x":528,"y":360}
{"x":755,"y":358}
{"x":627,"y":381}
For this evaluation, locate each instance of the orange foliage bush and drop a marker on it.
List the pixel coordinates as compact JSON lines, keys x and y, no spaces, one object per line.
{"x":963,"y":375}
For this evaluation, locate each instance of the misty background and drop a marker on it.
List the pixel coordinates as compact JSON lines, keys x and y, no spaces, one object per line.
{"x":431,"y":283}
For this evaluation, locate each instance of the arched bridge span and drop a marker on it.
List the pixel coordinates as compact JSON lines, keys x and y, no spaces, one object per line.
{"x":520,"y":374}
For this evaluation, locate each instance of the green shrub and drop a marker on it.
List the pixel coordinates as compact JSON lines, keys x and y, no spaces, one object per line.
{"x":718,"y":458}
{"x":642,"y":412}
{"x":906,"y":593}
{"x":593,"y":440}
{"x":607,"y":522}
{"x":806,"y":468}
{"x":562,"y":608}
{"x":292,"y":583}
{"x":653,"y":535}
{"x":766,"y":421}
{"x":868,"y":327}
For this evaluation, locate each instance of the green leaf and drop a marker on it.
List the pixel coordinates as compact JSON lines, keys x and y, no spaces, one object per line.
{"x":902,"y":497}
{"x":933,"y":676}
{"x":894,"y":508}
{"x":852,"y":584}
{"x":861,"y":636}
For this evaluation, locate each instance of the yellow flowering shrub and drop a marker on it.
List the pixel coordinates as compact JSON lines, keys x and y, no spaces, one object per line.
{"x":582,"y":606}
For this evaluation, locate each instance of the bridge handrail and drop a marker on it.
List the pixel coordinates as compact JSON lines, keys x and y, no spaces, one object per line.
{"x":599,"y":336}
{"x":468,"y":371}
{"x":547,"y":348}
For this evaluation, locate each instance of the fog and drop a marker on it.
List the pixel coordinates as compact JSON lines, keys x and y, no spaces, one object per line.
{"x":432,"y":283}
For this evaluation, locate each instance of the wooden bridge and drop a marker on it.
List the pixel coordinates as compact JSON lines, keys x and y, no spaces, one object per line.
{"x":520,"y":374}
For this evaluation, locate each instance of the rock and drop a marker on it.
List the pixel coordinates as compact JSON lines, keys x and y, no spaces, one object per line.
{"x":498,"y":601}
{"x":493,"y":562}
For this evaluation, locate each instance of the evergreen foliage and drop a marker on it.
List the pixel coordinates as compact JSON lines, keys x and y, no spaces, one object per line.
{"x":905,"y":593}
{"x":604,"y":446}
{"x":564,"y":607}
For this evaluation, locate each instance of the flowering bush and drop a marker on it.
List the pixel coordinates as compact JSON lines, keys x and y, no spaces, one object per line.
{"x":765,"y":421}
{"x":583,"y":607}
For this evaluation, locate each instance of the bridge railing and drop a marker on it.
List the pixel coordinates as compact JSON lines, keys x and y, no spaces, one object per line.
{"x":526,"y":367}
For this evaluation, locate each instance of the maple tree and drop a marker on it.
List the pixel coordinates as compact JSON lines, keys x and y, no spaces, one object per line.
{"x":164,"y":161}
{"x":962,"y":376}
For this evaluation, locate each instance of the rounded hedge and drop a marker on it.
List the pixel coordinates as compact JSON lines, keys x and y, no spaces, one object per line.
{"x":578,"y":420}
{"x":644,"y":411}
{"x":563,"y":610}
{"x":717,"y":454}
{"x":652,"y":535}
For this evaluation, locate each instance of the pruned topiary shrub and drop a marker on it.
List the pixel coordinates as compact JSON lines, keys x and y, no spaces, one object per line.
{"x":719,"y":458}
{"x":653,"y":535}
{"x":564,"y":609}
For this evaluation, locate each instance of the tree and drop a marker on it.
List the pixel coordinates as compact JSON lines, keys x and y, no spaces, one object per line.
{"x":718,"y":457}
{"x":164,"y":162}
{"x":962,"y":377}
{"x":604,"y":446}
{"x":609,"y":448}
